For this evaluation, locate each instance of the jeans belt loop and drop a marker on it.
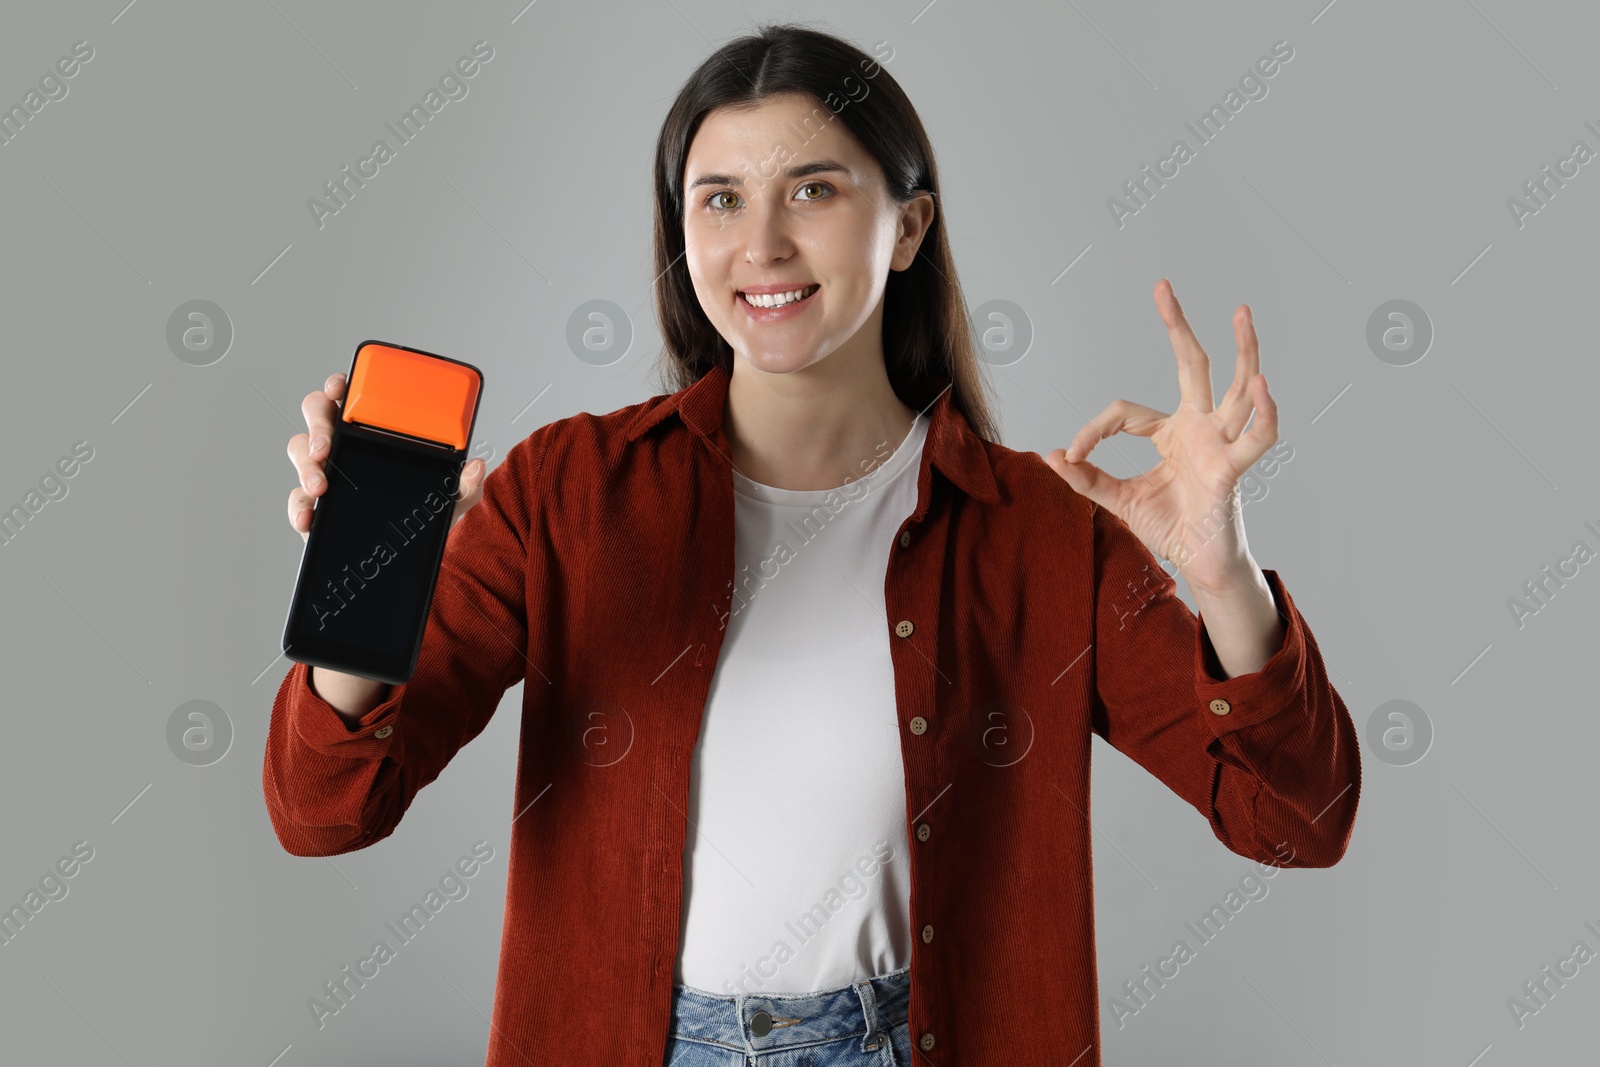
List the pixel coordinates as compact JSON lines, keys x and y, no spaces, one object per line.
{"x":869,"y":1009}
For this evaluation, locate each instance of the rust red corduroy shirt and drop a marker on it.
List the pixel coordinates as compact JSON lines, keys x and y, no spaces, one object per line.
{"x":1022,"y":621}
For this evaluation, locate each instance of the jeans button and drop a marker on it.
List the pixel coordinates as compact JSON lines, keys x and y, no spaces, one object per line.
{"x":760,"y":1024}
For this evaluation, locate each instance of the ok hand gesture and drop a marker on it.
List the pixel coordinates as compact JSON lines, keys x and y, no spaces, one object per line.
{"x":1186,"y":508}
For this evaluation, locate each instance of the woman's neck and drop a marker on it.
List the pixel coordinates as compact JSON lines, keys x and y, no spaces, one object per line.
{"x":816,"y":428}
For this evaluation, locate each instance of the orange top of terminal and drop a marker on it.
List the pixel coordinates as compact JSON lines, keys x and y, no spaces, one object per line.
{"x":412,"y":393}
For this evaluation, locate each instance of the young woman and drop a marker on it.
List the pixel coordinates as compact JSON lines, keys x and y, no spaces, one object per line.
{"x":812,"y":663}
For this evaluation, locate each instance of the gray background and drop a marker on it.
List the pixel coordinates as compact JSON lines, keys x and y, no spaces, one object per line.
{"x":1419,"y":499}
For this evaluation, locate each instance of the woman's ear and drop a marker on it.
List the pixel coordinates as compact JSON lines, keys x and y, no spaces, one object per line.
{"x":916,"y":215}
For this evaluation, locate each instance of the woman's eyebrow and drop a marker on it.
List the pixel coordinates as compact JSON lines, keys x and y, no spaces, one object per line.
{"x":802,"y":170}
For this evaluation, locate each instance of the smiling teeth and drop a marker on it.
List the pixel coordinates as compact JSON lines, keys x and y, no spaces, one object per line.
{"x":772,"y":300}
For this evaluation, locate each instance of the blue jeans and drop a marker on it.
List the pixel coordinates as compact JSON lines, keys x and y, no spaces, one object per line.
{"x":861,"y":1025}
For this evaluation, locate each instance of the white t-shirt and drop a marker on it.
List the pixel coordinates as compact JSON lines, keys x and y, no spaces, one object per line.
{"x":796,"y":876}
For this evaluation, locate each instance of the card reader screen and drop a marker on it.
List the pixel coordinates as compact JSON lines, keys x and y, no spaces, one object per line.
{"x":368,"y":569}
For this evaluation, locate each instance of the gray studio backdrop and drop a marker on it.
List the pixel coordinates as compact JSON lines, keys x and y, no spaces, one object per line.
{"x":1404,"y":203}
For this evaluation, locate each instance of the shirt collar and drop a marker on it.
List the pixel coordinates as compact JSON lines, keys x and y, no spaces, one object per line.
{"x":952,"y":446}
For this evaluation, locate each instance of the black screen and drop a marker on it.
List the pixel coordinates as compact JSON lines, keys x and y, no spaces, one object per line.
{"x":371,"y":558}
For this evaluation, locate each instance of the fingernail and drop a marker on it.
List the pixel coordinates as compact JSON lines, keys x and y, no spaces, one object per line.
{"x":318,"y":444}
{"x":313,"y":481}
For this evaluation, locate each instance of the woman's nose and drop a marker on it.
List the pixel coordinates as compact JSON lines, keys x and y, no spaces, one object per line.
{"x":766,"y":235}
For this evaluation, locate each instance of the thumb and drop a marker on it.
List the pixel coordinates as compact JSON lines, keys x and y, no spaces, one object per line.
{"x":1084,"y":477}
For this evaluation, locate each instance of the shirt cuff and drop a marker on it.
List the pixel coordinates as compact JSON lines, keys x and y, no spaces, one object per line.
{"x":1247,"y":699}
{"x":321,"y":728}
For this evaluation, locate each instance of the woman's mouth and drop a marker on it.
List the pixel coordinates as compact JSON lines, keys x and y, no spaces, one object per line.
{"x":778,"y":301}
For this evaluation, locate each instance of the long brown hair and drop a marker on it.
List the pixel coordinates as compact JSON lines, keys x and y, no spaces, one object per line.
{"x":926,"y":331}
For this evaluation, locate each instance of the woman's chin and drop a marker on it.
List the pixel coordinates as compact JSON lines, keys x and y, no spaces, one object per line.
{"x":779,"y":361}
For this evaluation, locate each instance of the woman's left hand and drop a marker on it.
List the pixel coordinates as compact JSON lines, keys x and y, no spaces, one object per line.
{"x":1186,"y":508}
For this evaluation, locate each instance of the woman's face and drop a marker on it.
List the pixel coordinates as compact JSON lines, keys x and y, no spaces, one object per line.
{"x":784,"y":195}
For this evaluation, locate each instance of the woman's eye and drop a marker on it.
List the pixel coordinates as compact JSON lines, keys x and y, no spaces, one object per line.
{"x":715,"y":204}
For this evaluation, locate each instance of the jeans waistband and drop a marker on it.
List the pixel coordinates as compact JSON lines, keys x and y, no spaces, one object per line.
{"x":752,"y":1022}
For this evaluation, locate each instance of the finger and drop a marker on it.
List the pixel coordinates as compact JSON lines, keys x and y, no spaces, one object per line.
{"x":300,"y":508}
{"x":312,"y":477}
{"x":334,"y":386}
{"x":1263,"y":433}
{"x":471,"y":485}
{"x":470,"y":488}
{"x":1236,"y":405}
{"x":1087,"y":479}
{"x":319,"y":410}
{"x":1194,"y":367}
{"x":1119,"y":416}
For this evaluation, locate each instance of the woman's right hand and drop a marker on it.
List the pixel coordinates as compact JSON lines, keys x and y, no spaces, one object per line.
{"x":309,"y":454}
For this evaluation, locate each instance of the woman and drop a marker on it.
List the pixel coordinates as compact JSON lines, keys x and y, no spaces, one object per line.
{"x":805,"y":606}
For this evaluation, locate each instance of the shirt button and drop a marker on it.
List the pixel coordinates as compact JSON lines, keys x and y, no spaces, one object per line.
{"x":918,"y":724}
{"x":760,"y":1024}
{"x":927,"y":934}
{"x":904,"y":627}
{"x":383,"y":731}
{"x":905,"y":539}
{"x":925,"y":1042}
{"x":923,"y":830}
{"x":1220,"y":706}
